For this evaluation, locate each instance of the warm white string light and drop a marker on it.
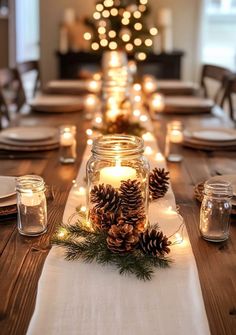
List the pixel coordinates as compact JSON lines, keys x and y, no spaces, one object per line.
{"x":129,"y":14}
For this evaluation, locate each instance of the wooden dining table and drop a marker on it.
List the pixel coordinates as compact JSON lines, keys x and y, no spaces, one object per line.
{"x":22,"y":258}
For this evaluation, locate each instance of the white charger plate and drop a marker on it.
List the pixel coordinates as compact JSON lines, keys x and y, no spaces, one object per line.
{"x":7,"y":187}
{"x":29,"y":133}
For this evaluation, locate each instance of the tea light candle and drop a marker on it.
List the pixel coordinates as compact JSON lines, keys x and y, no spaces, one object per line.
{"x":66,"y":139}
{"x":157,"y":102}
{"x":31,"y":199}
{"x":113,"y":175}
{"x":176,"y":136}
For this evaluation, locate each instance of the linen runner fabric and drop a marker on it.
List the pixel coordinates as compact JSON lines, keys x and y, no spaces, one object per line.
{"x":89,"y":299}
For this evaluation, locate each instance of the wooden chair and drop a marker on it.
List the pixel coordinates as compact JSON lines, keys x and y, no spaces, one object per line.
{"x":12,"y":96}
{"x":27,"y":67}
{"x":219,"y":75}
{"x":230,"y":96}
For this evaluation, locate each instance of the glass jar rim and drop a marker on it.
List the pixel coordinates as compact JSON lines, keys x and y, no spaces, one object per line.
{"x":218,"y":188}
{"x":29,"y":182}
{"x":118,"y":145}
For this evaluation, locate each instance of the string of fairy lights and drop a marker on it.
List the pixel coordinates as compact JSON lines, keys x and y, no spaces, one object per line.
{"x":119,"y":24}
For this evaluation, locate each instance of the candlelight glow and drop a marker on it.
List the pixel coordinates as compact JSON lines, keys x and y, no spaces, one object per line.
{"x":137,"y":87}
{"x":89,"y":141}
{"x":89,"y":132}
{"x":83,"y":209}
{"x":98,"y":119}
{"x":136,"y":112}
{"x":148,"y":151}
{"x":143,"y":118}
{"x":159,"y":157}
{"x":148,"y":137}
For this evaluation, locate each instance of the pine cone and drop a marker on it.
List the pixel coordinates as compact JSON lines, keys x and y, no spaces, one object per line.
{"x":136,"y":218}
{"x":102,"y":220}
{"x":154,"y":243}
{"x":131,"y":196}
{"x":198,"y":191}
{"x":105,"y":197}
{"x":122,"y":238}
{"x":158,"y":183}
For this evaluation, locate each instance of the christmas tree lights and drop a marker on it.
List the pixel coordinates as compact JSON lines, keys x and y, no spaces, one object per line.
{"x":121,"y":24}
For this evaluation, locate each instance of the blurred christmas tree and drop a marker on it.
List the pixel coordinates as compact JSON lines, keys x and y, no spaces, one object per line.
{"x":121,"y":24}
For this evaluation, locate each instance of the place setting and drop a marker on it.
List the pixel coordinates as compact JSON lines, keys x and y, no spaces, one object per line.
{"x":49,"y":103}
{"x":8,"y":207}
{"x":216,"y":138}
{"x":74,"y":87}
{"x":38,"y":138}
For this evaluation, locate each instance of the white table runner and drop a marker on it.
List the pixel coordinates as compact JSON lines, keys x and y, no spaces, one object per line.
{"x":88,"y":299}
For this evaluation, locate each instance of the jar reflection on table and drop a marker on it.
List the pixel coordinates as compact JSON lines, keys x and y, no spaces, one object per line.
{"x":215,"y":211}
{"x":32,"y":205}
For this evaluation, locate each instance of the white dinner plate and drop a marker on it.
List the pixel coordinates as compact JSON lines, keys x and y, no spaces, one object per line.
{"x":29,"y":133}
{"x":217,"y":134}
{"x":7,"y":186}
{"x":231,"y":178}
{"x":57,"y":103}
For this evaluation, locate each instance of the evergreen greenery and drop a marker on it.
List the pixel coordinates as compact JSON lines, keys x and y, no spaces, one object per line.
{"x":80,"y":242}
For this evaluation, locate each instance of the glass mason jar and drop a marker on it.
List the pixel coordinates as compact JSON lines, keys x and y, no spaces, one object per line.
{"x":116,"y":85}
{"x":32,"y":205}
{"x":67,"y":144}
{"x":215,"y":210}
{"x":174,"y":138}
{"x":118,"y":183}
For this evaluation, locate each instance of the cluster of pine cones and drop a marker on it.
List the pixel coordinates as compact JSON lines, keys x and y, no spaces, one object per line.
{"x":122,"y":124}
{"x":121,"y":214}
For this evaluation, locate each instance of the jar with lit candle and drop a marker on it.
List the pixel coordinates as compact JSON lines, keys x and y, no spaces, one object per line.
{"x":117,"y":176}
{"x":157,"y":103}
{"x":115,"y":85}
{"x":67,"y":144}
{"x":31,"y":205}
{"x":174,"y":139}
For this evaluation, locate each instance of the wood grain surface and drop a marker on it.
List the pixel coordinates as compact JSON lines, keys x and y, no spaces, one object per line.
{"x":22,"y":258}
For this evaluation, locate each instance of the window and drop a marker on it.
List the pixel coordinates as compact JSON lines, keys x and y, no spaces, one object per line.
{"x":219,"y":34}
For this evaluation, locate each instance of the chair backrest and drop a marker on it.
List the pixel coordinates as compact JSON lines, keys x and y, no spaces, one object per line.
{"x":26,"y":67}
{"x":218,"y":74}
{"x":11,"y":90}
{"x":231,"y":96}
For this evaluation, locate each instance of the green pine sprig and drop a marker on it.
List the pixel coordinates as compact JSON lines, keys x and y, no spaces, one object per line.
{"x":82,"y":243}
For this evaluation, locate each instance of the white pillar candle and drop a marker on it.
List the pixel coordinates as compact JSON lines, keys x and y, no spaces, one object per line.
{"x":113,"y":175}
